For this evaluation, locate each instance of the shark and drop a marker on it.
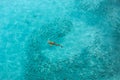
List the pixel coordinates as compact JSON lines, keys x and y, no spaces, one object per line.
{"x":51,"y":43}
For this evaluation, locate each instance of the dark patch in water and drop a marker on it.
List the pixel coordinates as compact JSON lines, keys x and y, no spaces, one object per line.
{"x":37,"y":64}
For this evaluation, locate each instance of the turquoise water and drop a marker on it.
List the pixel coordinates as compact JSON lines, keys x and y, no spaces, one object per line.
{"x":88,"y":30}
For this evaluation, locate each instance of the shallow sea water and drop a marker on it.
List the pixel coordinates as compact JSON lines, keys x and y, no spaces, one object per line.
{"x":88,"y":30}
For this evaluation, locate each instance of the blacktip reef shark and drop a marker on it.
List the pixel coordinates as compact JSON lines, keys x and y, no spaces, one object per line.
{"x":54,"y":43}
